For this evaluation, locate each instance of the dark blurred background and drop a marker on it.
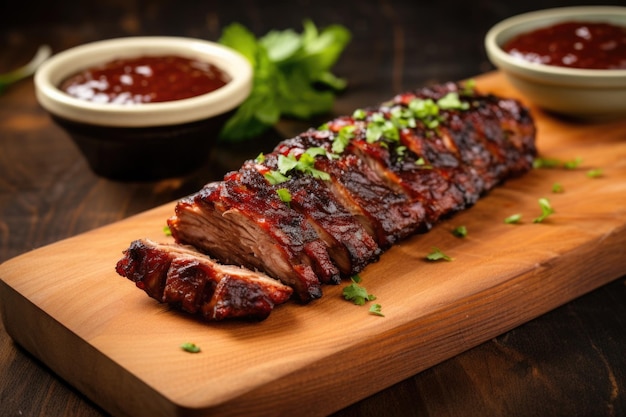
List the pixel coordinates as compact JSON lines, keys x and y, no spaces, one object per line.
{"x":441,"y":40}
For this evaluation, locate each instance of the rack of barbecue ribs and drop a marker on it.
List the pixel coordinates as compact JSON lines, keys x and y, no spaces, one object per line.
{"x":323,"y":205}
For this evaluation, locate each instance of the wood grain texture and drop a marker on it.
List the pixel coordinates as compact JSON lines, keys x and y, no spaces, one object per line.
{"x":66,"y":305}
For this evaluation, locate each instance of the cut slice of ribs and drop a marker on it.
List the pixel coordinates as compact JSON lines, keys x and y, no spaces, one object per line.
{"x":241,"y":224}
{"x":187,"y":279}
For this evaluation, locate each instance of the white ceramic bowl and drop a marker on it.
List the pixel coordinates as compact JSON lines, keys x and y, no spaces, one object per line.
{"x":149,"y":140}
{"x":581,"y":93}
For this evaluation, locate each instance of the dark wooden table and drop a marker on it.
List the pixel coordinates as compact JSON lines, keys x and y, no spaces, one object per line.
{"x":568,"y":362}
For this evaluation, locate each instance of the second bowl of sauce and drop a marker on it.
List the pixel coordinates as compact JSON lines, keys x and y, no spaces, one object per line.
{"x":573,"y":44}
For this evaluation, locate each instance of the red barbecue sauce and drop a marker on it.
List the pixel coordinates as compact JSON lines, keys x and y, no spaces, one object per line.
{"x":589,"y":45}
{"x":145,"y":79}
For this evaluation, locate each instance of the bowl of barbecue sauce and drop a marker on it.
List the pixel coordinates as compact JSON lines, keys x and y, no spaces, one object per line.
{"x":144,"y":108}
{"x":569,"y":60}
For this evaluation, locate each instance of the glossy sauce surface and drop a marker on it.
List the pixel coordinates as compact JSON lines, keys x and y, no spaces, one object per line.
{"x":590,"y":45}
{"x":145,"y":79}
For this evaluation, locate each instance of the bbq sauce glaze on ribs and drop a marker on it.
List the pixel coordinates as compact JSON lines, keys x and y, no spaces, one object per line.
{"x":323,"y":205}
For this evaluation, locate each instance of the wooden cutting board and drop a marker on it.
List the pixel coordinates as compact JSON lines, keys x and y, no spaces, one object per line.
{"x":66,"y":305}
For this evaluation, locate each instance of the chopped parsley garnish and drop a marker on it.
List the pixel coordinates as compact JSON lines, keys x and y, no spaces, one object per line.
{"x":343,"y":138}
{"x":557,"y":188}
{"x":437,"y":255}
{"x":468,"y":87}
{"x":546,"y":210}
{"x":425,"y":110}
{"x":573,"y":163}
{"x":275,"y":177}
{"x":460,"y":231}
{"x":167,"y":231}
{"x":402,"y":117}
{"x":305,"y":163}
{"x":379,"y":127}
{"x":595,"y":173}
{"x":514,"y":218}
{"x":359,"y":114}
{"x":284,"y":195}
{"x":451,"y":101}
{"x":557,"y":163}
{"x":359,"y":295}
{"x":546,"y":163}
{"x":190,"y":347}
{"x":376,"y":310}
{"x":422,"y":163}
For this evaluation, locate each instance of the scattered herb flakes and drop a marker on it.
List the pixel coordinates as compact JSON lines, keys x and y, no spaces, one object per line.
{"x":260,"y":158}
{"x":573,"y":163}
{"x":460,"y":231}
{"x":167,"y":231}
{"x":468,"y":87}
{"x":437,"y":255}
{"x":557,"y":163}
{"x":190,"y":347}
{"x":451,"y":101}
{"x":343,"y":138}
{"x":357,"y":294}
{"x":359,"y":114}
{"x":275,"y":177}
{"x":595,"y":173}
{"x":546,"y":210}
{"x":557,"y":188}
{"x":376,"y":310}
{"x":422,"y":163}
{"x":513,"y":218}
{"x":284,"y":195}
{"x":546,"y":163}
{"x":305,"y":163}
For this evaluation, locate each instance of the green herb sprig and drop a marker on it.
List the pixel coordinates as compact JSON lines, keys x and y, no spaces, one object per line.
{"x":190,"y":347}
{"x":27,"y":70}
{"x":513,"y":218}
{"x":595,"y":173}
{"x":292,"y":75}
{"x":546,"y":210}
{"x":557,"y":163}
{"x":460,"y":231}
{"x":437,"y":255}
{"x":305,"y":163}
{"x":359,"y":295}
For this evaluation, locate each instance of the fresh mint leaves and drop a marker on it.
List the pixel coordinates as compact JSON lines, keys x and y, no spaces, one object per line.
{"x":292,"y":75}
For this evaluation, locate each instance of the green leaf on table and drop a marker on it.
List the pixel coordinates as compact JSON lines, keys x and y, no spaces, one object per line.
{"x":291,"y":78}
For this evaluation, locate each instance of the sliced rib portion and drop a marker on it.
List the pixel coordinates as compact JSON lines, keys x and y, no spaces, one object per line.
{"x":242,"y":223}
{"x":347,"y":242}
{"x":195,"y":283}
